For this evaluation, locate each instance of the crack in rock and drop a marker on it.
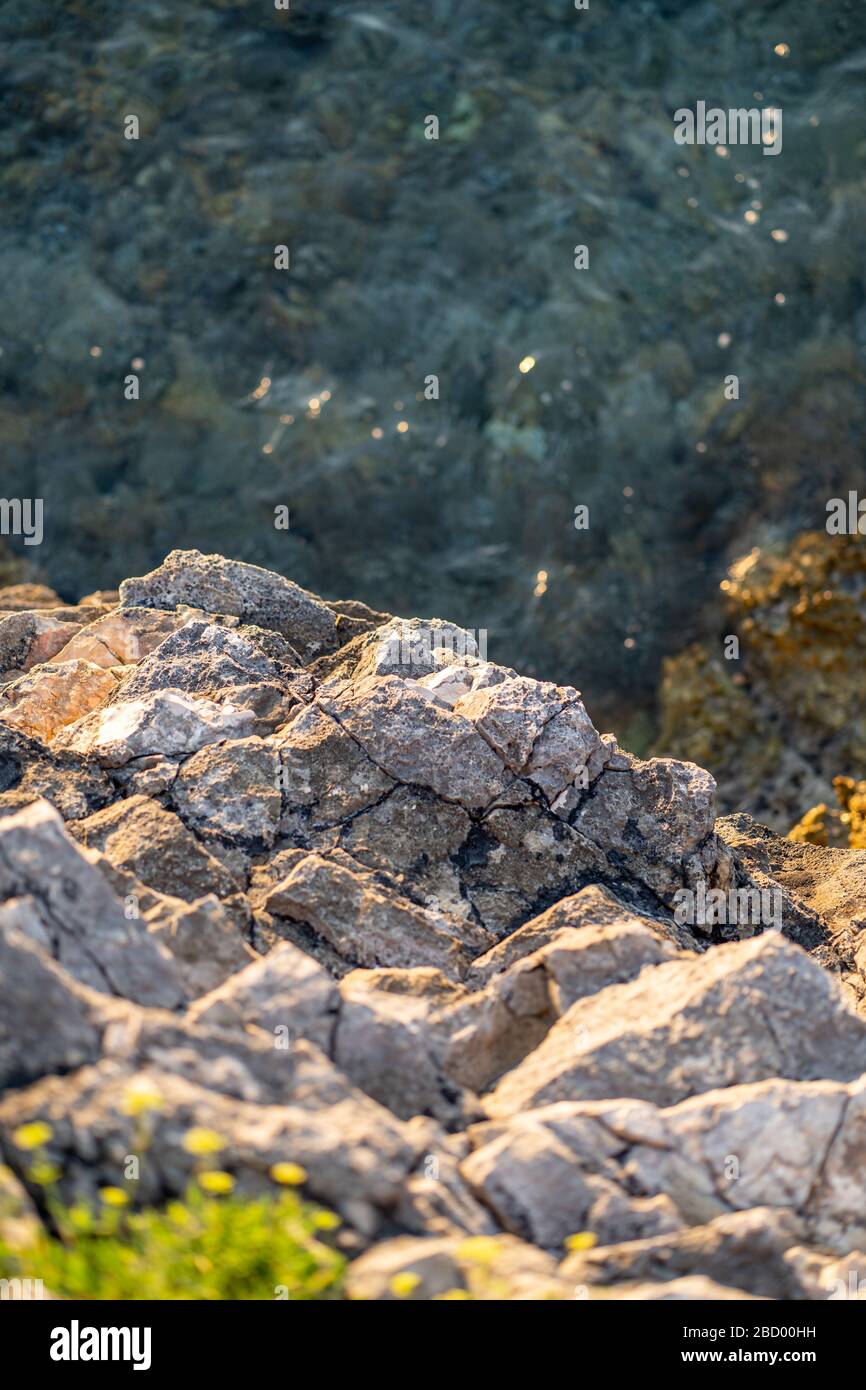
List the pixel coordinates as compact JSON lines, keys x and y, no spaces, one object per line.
{"x":410,"y":918}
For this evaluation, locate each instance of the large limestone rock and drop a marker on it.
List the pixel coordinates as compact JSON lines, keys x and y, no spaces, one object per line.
{"x":421,"y":1044}
{"x":325,"y":776}
{"x":599,"y":1165}
{"x":744,"y":1250}
{"x":231,"y":793}
{"x":657,"y":819}
{"x":357,"y":898}
{"x":557,"y":1171}
{"x":821,"y":887}
{"x":386,"y":1041}
{"x":31,"y":771}
{"x":540,"y":731}
{"x":204,"y":938}
{"x":355,"y":1153}
{"x":46,"y":1022}
{"x":743,"y":1012}
{"x":595,"y":908}
{"x":414,"y":738}
{"x":246,"y":668}
{"x":416,"y":648}
{"x":521,"y":858}
{"x":27,"y":639}
{"x":121,"y":638}
{"x":415,"y":839}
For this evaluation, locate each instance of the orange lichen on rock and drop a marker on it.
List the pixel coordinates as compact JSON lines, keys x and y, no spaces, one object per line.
{"x":776,"y":722}
{"x":840,"y":826}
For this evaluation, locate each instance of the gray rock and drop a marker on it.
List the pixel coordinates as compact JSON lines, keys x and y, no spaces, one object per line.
{"x":742,"y":1012}
{"x":519,"y":860}
{"x":435,"y":1199}
{"x":204,"y":940}
{"x":788,"y":1127}
{"x":539,"y":730}
{"x":418,"y":841}
{"x":121,"y":638}
{"x":743,"y":1250}
{"x":47,"y":1022}
{"x":592,"y":908}
{"x":232,"y":793}
{"x":558,"y":1171}
{"x":822,"y":890}
{"x":228,"y":586}
{"x":467,"y":895}
{"x":324,"y":773}
{"x":488,"y":1269}
{"x":655,"y":820}
{"x":30,"y":771}
{"x":369,"y":925}
{"x":413,"y":738}
{"x":384,"y":1041}
{"x":214,"y":661}
{"x":792,"y":1146}
{"x":28,"y":638}
{"x":356,"y":1155}
{"x":491,"y":1031}
{"x":413,"y":648}
{"x":244,"y":1064}
{"x":140,"y":835}
{"x":422,"y":1046}
{"x":84,"y":922}
{"x":285,"y":993}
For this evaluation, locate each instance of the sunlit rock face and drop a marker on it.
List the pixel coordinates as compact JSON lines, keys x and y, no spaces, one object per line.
{"x":415,"y":923}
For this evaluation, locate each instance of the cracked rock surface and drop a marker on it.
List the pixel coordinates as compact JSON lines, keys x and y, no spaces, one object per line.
{"x":337,"y":887}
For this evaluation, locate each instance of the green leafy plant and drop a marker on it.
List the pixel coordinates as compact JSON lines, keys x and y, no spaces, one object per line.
{"x":211,"y":1245}
{"x":203,"y":1247}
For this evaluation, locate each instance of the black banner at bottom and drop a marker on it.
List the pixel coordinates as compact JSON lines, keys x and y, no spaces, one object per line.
{"x":68,"y":1339}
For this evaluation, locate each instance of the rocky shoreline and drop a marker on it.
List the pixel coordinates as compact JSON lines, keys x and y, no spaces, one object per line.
{"x":330,"y":884}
